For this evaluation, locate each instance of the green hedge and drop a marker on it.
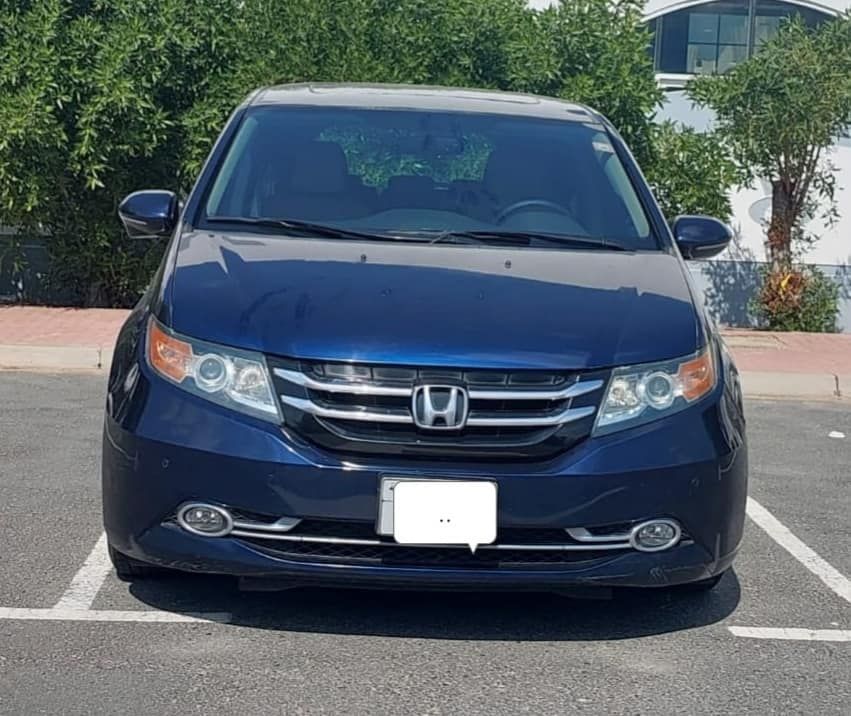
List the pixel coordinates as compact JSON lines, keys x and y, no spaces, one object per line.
{"x":102,"y":97}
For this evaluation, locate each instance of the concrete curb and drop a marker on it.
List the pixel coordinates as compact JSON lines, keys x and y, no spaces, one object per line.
{"x":802,"y":386}
{"x":58,"y":358}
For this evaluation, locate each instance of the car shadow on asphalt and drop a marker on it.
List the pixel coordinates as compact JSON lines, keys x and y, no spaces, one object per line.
{"x":446,"y":615}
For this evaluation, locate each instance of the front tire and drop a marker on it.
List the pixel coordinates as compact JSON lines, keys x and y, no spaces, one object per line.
{"x":128,"y":569}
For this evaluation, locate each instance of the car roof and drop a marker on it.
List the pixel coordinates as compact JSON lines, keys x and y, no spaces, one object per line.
{"x":424,"y":98}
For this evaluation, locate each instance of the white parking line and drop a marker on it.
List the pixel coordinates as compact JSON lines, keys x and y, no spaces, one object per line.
{"x":836,"y":582}
{"x":792,"y":634}
{"x":87,"y":582}
{"x":75,"y":614}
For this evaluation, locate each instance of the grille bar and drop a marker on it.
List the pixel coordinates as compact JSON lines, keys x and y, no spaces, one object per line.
{"x":358,"y":388}
{"x":343,"y":386}
{"x":372,"y":416}
{"x":568,"y":415}
{"x":404,"y":416}
{"x":320,"y":539}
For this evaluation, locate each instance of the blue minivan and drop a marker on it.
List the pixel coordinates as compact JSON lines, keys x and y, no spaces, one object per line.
{"x":422,"y":338}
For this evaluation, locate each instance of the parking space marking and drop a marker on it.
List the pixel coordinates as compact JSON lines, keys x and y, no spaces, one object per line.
{"x":792,"y":634}
{"x":87,"y":582}
{"x":76,"y":602}
{"x":75,"y":614}
{"x":836,"y":581}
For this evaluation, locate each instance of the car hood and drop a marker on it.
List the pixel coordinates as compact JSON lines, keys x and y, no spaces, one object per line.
{"x":423,"y":304}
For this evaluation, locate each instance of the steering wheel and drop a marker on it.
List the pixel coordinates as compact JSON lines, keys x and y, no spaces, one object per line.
{"x":527,"y":204}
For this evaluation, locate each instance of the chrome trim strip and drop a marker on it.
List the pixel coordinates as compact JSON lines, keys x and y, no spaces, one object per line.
{"x":565,"y":416}
{"x":307,"y":538}
{"x":556,"y":547}
{"x":373,"y":416}
{"x":284,"y":524}
{"x":354,"y":388}
{"x":380,"y":543}
{"x":571,"y":391}
{"x":580,"y":534}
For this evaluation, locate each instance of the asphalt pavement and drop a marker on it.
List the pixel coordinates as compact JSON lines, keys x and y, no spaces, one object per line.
{"x":775,"y":637}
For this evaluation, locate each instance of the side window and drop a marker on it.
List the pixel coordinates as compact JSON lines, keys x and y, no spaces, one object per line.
{"x":620,"y":182}
{"x":233,"y":179}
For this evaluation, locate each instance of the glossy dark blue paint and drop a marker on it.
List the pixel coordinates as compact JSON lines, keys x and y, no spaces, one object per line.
{"x":420,"y":305}
{"x":149,"y":214}
{"x":433,"y":304}
{"x":701,"y":237}
{"x":163,"y":447}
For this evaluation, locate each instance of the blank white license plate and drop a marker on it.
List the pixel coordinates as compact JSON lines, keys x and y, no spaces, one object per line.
{"x":444,"y":512}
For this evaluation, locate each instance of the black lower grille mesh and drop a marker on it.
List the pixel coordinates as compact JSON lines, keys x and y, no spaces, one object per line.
{"x":424,"y":556}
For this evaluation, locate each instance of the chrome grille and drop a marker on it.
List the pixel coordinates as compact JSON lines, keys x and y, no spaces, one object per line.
{"x":368,"y":408}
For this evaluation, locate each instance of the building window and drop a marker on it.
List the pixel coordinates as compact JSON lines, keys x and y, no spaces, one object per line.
{"x":716,"y":41}
{"x":716,"y":36}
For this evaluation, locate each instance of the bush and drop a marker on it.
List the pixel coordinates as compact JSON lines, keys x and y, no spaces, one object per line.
{"x":691,"y":172}
{"x":799,"y":298}
{"x":98,"y":99}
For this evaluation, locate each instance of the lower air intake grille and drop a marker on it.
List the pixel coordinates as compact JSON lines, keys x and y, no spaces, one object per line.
{"x":426,"y":556}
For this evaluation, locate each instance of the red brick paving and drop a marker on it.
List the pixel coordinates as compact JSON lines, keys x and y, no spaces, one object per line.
{"x":39,"y":326}
{"x":758,"y":351}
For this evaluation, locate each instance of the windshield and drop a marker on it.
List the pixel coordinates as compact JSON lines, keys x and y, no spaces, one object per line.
{"x":414,"y":173}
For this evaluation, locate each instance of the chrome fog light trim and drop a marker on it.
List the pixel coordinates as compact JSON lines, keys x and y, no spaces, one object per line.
{"x":655,"y":535}
{"x":204,"y":519}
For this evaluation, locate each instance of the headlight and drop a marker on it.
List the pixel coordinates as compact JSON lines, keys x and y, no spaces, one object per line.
{"x":638,"y":394}
{"x":231,"y":377}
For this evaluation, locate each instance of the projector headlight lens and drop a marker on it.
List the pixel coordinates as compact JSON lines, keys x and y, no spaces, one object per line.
{"x":641,"y":393}
{"x":231,"y":377}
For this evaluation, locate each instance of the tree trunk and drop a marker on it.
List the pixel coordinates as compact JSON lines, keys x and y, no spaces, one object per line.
{"x":779,"y":240}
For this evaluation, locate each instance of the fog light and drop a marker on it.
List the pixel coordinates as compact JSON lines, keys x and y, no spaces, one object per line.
{"x":655,"y":535}
{"x":205,"y":520}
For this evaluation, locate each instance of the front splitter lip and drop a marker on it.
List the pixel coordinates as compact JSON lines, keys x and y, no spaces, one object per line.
{"x":170,"y":547}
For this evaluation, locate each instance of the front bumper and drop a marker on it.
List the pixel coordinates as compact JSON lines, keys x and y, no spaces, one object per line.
{"x":163,"y":447}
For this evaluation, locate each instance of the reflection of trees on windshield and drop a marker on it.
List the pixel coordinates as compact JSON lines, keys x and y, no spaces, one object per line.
{"x":376,"y":154}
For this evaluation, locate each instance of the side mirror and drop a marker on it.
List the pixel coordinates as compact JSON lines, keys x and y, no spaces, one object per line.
{"x":701,"y":237}
{"x":149,"y":214}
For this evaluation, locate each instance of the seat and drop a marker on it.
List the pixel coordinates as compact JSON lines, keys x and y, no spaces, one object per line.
{"x":411,"y":192}
{"x":468,"y":197}
{"x":317,"y":187}
{"x":519,"y":173}
{"x":366,"y":195}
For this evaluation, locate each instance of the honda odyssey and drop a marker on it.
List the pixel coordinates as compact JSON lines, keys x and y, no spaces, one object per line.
{"x":426,"y":338}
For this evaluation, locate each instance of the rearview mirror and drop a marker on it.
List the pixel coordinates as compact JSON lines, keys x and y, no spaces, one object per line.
{"x":149,"y":214}
{"x":701,"y":237}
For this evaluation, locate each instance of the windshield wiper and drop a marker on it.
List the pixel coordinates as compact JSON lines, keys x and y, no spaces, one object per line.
{"x":299,"y":227}
{"x":524,"y":238}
